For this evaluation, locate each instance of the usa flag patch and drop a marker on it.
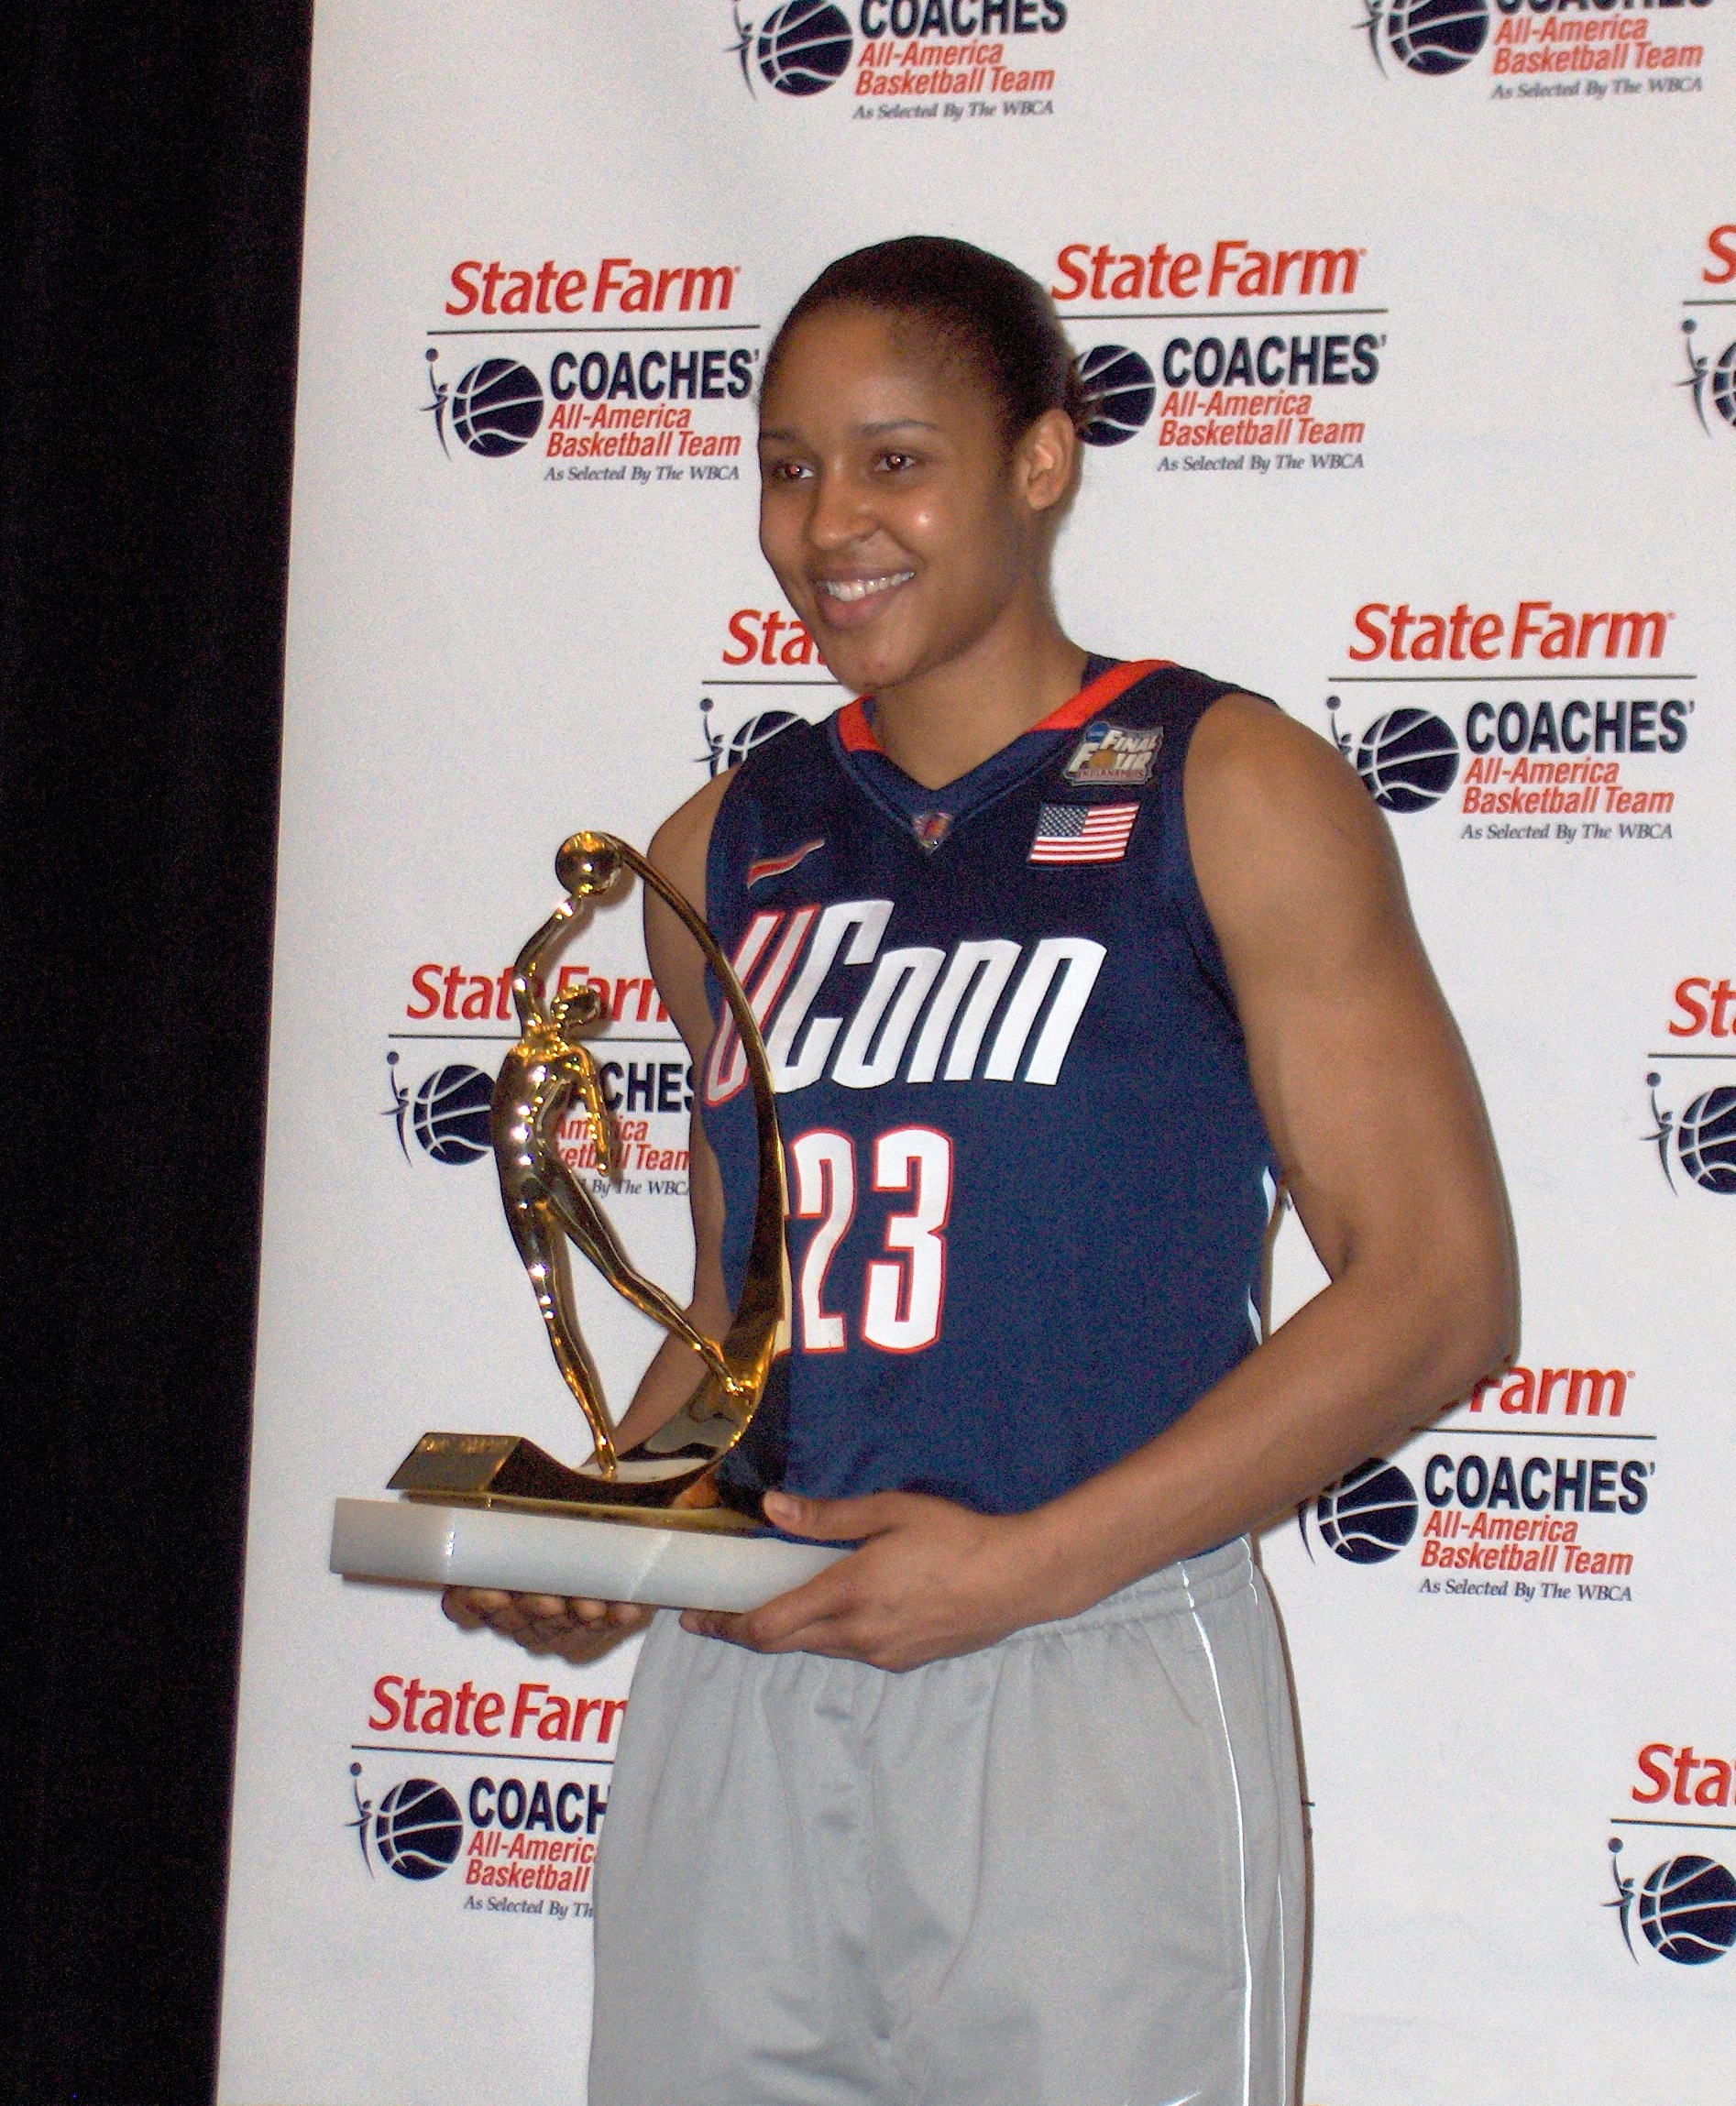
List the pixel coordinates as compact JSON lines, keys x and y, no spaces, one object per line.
{"x":1083,"y":833}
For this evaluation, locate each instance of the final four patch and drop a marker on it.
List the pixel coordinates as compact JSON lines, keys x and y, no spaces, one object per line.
{"x":1115,"y":753}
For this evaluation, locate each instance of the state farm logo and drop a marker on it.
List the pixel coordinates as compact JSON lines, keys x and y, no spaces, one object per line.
{"x":1548,"y":762}
{"x":1710,"y":380}
{"x":1260,"y":399}
{"x":1693,"y":1106}
{"x":406,"y":1705}
{"x":1238,"y":269}
{"x":768,"y":636}
{"x":641,"y":404}
{"x":1536,"y":48}
{"x":1679,"y":1777}
{"x":1520,"y":1392}
{"x":1537,"y":628}
{"x":615,"y":285}
{"x":1702,"y":1006}
{"x":1684,"y":1908}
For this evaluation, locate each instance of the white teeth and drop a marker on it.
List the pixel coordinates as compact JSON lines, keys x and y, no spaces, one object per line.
{"x":860,"y":588}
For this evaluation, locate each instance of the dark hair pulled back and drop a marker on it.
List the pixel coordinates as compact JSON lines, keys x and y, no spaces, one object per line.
{"x":979,"y":305}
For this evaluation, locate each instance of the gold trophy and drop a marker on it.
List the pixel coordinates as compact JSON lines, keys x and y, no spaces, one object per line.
{"x":493,"y":1509}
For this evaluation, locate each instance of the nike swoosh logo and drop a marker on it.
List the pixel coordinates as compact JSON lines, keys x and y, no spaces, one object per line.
{"x":780,"y":866}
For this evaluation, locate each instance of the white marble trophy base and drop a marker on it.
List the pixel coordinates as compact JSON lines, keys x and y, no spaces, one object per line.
{"x":424,"y":1544}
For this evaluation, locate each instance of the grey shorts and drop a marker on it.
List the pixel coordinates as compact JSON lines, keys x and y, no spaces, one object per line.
{"x":1063,"y":1872}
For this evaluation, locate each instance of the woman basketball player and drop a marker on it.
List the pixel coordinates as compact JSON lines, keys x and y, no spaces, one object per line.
{"x":1064,"y":962}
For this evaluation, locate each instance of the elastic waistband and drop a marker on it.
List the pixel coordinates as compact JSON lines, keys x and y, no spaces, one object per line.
{"x":1176,"y":1590}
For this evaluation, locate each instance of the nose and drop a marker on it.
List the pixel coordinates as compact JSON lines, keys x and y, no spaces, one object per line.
{"x":840,"y":512}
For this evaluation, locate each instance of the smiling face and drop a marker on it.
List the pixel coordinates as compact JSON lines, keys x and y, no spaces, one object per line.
{"x":902,"y":526}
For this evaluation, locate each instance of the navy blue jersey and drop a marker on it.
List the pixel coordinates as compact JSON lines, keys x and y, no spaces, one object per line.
{"x":1028,"y":1181}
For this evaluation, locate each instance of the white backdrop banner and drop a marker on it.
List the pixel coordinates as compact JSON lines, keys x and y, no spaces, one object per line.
{"x":1417,"y":319}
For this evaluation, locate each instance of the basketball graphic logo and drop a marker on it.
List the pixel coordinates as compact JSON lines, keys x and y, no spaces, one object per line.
{"x":496,"y":407}
{"x":1121,"y":389}
{"x":418,"y":1830}
{"x":449,"y":1114}
{"x":1724,"y":385}
{"x":755,"y":732}
{"x":1704,"y":378}
{"x":801,"y":46}
{"x":1706,"y":1140}
{"x":1687,"y":1910}
{"x":721,"y":753}
{"x":1409,"y":758}
{"x":1429,"y":36}
{"x":1369,"y":1516}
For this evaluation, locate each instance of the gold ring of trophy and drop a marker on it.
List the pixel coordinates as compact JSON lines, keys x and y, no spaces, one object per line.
{"x":653,"y":1524}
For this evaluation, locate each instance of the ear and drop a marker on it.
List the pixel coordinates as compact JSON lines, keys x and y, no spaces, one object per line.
{"x":1046,"y":461}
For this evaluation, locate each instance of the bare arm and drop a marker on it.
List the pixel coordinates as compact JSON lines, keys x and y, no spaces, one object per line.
{"x":1377,"y":1122}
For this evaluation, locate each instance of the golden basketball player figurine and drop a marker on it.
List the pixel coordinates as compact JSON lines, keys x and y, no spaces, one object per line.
{"x":666,"y":1479}
{"x":545,"y":1203}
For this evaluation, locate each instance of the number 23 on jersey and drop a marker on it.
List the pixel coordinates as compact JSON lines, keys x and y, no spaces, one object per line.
{"x":903,"y":1292}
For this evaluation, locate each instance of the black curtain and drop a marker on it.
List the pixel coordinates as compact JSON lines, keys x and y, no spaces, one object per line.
{"x":150,"y":210}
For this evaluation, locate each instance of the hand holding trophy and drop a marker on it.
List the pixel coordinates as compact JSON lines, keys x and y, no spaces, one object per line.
{"x":494,"y":1510}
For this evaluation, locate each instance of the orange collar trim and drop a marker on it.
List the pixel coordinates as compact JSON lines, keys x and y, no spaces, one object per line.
{"x":858,"y":733}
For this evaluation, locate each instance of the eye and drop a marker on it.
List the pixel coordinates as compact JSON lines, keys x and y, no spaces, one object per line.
{"x":897,"y":462}
{"x":786,"y":471}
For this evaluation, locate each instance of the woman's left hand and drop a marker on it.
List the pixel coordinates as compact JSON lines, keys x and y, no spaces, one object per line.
{"x":931,"y":1579}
